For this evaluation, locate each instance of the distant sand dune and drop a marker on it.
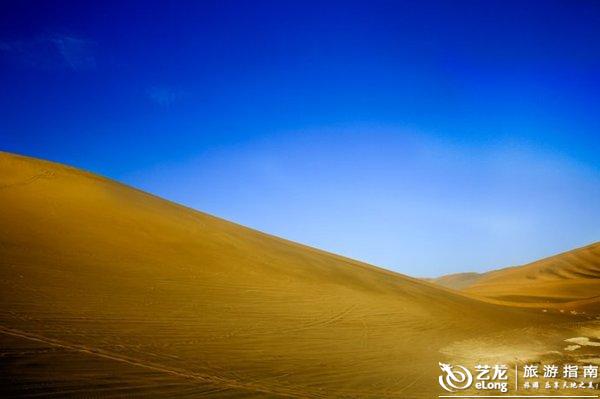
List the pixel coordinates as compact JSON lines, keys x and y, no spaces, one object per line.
{"x":572,"y":277}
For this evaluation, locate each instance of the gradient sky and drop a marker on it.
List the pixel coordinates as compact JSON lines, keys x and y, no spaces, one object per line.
{"x":426,"y":138}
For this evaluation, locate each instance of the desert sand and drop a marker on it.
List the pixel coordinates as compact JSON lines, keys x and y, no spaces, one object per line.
{"x":567,"y":280}
{"x":107,"y":291}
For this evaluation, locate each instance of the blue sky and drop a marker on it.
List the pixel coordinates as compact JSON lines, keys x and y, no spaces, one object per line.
{"x":426,"y":138}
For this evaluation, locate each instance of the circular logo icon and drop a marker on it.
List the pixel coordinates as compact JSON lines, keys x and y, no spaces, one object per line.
{"x":455,"y":377}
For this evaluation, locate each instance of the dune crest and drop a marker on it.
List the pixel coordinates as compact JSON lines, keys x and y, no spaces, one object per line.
{"x":571,"y":278}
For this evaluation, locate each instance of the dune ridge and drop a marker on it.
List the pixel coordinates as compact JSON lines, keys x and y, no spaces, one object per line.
{"x":569,"y":277}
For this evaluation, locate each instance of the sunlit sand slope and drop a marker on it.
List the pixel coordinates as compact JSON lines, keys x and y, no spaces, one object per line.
{"x":570,"y":276}
{"x":457,"y":281}
{"x":108,"y":291}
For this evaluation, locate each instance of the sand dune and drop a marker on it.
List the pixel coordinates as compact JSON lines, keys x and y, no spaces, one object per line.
{"x":109,"y":291}
{"x":572,"y":276}
{"x":457,"y":281}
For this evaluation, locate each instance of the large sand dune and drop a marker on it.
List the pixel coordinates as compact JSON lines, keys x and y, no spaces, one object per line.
{"x":112,"y":292}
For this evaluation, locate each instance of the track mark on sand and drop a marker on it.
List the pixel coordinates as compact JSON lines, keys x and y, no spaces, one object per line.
{"x":43,"y":174}
{"x":206,"y":378}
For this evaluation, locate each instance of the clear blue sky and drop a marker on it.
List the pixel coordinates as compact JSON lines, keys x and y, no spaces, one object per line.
{"x":425,"y":137}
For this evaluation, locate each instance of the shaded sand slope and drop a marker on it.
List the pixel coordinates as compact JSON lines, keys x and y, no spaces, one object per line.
{"x":570,"y":276}
{"x":108,"y":290}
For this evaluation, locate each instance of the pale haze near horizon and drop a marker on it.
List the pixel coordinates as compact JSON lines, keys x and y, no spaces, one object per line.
{"x":400,"y":199}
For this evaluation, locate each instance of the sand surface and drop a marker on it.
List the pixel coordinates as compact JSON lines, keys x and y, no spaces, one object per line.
{"x":569,"y":280}
{"x":107,"y":291}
